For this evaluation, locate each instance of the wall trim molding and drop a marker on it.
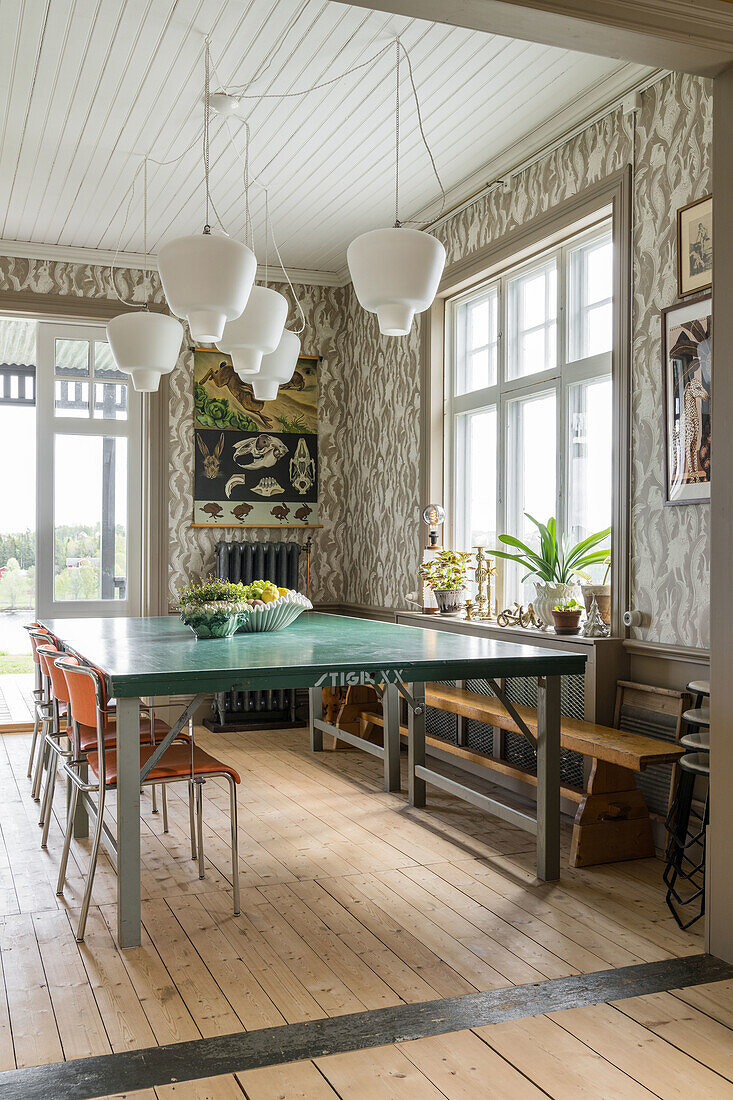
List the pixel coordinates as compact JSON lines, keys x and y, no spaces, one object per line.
{"x":664,"y":652}
{"x":66,"y":307}
{"x":137,"y":261}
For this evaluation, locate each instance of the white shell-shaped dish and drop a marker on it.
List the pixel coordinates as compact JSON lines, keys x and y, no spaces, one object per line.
{"x":274,"y":616}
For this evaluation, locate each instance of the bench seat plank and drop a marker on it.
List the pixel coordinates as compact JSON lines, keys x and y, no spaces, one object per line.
{"x":628,"y":750}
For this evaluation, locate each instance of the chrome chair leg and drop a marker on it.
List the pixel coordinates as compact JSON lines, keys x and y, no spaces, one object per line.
{"x":92,"y":868}
{"x":191,"y":819}
{"x":200,"y":824}
{"x":40,"y":762}
{"x":67,"y":838}
{"x":51,"y":775}
{"x":34,"y":742}
{"x":235,"y":843}
{"x":154,"y":798}
{"x":164,"y":802}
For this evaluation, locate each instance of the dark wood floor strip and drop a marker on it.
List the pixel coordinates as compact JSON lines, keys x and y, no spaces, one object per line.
{"x":86,"y":1078}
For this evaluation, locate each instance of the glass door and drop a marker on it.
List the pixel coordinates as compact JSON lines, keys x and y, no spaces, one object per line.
{"x":88,"y":477}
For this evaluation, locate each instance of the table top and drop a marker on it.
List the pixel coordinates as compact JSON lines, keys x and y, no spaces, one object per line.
{"x":161,"y":656}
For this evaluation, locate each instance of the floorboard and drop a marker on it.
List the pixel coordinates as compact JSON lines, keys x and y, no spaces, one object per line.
{"x":351,"y":902}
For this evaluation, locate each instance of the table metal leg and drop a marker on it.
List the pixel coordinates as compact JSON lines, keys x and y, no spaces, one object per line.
{"x":416,"y":745}
{"x":548,"y":778}
{"x":128,"y":822}
{"x":315,"y":714}
{"x":391,"y":716}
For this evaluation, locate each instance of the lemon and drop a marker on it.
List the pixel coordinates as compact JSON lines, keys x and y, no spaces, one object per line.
{"x":283,"y":591}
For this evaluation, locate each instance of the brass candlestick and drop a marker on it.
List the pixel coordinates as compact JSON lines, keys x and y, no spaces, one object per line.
{"x":483,"y":573}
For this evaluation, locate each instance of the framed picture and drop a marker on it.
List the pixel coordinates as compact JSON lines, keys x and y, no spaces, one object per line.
{"x":687,"y":358}
{"x":695,"y":247}
{"x":256,"y":462}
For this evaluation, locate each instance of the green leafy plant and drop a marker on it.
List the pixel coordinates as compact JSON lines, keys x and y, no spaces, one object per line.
{"x":555,"y":562}
{"x":296,"y":423}
{"x":447,"y":570}
{"x":212,"y":590}
{"x":216,"y":412}
{"x":569,"y":605}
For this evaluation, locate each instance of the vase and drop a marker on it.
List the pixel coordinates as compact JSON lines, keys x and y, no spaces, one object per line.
{"x":602,"y":593}
{"x":448,"y":599}
{"x":548,"y":595}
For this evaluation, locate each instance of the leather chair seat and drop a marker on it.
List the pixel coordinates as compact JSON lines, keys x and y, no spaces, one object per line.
{"x":174,"y":764}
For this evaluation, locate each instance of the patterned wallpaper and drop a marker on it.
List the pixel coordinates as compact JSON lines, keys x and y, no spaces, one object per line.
{"x":368,"y":549}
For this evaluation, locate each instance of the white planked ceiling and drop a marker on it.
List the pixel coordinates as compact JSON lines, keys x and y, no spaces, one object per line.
{"x":87,"y":87}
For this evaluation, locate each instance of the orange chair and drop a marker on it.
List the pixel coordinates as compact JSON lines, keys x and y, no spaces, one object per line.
{"x":58,"y":739}
{"x":181,"y":763}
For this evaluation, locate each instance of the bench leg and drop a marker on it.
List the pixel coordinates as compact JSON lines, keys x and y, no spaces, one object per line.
{"x":612,"y":823}
{"x":548,"y":778}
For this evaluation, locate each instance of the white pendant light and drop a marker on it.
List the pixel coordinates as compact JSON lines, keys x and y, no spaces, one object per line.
{"x":396,"y":272}
{"x":277,"y":367}
{"x":145,"y":345}
{"x":256,"y":332}
{"x":207,"y":279}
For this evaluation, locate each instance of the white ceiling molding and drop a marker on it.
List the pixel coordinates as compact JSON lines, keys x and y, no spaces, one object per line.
{"x":99,"y":258}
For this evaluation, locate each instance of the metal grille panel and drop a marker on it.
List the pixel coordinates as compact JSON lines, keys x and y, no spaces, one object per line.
{"x":517,"y":751}
{"x":440,"y":724}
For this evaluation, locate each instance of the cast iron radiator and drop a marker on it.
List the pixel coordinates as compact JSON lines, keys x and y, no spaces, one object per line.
{"x":246,"y":562}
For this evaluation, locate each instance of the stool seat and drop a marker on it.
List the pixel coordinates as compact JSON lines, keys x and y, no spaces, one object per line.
{"x":698,"y":716}
{"x":699,"y":687}
{"x":175,"y":763}
{"x":696,"y":762}
{"x":699,"y":741}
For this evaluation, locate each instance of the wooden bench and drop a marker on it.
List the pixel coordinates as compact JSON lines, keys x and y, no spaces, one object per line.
{"x":612,"y":822}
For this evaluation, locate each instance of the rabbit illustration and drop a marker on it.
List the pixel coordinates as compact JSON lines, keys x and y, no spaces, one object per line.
{"x":212,"y":460}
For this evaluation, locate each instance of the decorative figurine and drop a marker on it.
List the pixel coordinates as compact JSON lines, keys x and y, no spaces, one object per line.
{"x":594,"y":626}
{"x":517,"y":616}
{"x":469,"y":610}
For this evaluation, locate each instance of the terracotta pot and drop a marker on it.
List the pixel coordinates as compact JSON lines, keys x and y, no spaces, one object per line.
{"x":602,"y":593}
{"x":566,"y":622}
{"x":448,"y":599}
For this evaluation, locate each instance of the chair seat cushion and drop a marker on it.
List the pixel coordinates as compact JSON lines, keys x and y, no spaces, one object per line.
{"x":88,"y":735}
{"x":174,"y":764}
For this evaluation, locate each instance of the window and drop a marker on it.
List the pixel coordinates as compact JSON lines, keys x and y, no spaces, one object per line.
{"x":529,"y":401}
{"x":88,"y":546}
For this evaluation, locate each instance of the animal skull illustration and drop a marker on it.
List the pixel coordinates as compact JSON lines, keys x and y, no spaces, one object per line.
{"x":302,"y":468}
{"x":264,"y":449}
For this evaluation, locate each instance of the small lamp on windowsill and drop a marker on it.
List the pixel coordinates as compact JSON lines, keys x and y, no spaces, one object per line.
{"x":434,"y":517}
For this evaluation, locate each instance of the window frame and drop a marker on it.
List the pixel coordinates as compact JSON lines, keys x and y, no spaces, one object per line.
{"x":583,"y":210}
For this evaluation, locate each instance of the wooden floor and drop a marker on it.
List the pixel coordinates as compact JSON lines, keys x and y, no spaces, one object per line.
{"x":16,"y":698}
{"x":350,"y":901}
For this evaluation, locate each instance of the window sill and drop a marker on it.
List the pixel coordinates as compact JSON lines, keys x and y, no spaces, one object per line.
{"x":511,"y":633}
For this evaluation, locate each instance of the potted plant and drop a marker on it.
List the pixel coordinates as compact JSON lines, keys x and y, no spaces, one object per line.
{"x":446,"y":575}
{"x":213,"y":608}
{"x":602,"y":593}
{"x":566,"y":617}
{"x":554,"y":565}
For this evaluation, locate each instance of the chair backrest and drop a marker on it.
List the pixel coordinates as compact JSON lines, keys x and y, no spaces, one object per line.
{"x":48,"y":655}
{"x":84,"y":686}
{"x":38,"y":636}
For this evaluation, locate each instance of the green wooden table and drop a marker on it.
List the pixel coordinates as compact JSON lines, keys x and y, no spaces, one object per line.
{"x":152,"y":657}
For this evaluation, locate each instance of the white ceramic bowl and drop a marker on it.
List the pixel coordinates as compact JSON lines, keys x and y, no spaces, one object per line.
{"x":274,"y":616}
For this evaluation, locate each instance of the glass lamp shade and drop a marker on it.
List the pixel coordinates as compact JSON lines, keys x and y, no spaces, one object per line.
{"x":256,"y":332}
{"x":145,"y":346}
{"x":277,"y":368}
{"x":434,"y":515}
{"x":395,"y":273}
{"x":207,"y":279}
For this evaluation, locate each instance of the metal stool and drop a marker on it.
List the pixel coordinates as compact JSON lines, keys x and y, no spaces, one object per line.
{"x":699,"y":689}
{"x":684,"y":874}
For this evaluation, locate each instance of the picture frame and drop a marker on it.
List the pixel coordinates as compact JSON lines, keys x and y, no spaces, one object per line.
{"x":695,"y":247}
{"x":687,"y":356}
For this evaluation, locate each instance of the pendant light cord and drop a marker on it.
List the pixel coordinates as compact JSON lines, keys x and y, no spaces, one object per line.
{"x":207,"y":113}
{"x":397,"y":137}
